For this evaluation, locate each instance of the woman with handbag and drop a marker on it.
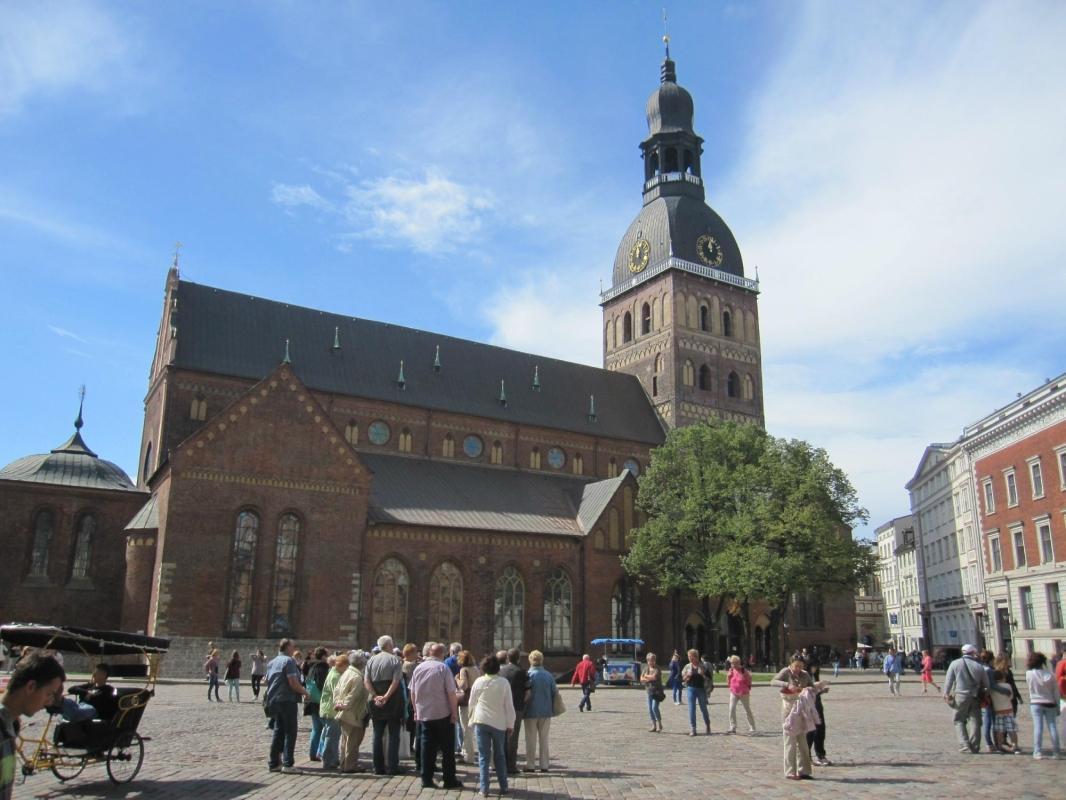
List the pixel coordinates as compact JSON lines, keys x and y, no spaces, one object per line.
{"x":652,"y":678}
{"x":464,"y":682}
{"x":541,"y":693}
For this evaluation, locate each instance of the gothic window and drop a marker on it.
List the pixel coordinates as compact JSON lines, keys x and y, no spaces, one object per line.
{"x":403,"y":441}
{"x":242,"y":571}
{"x":705,"y":318}
{"x":654,"y":161}
{"x":598,"y":540}
{"x":645,"y":319}
{"x":656,"y":313}
{"x":285,"y":574}
{"x":446,"y":603}
{"x":351,"y":432}
{"x":625,"y":611}
{"x":508,"y":608}
{"x":43,"y":526}
{"x":612,"y":468}
{"x":658,"y":362}
{"x":448,"y":448}
{"x":749,"y":388}
{"x":497,"y":453}
{"x":810,"y":610}
{"x":558,"y":611}
{"x":198,"y":409}
{"x":705,"y":377}
{"x":391,"y":584}
{"x":670,"y":162}
{"x":83,"y":546}
{"x":733,"y":385}
{"x":614,"y":536}
{"x":654,"y":385}
{"x":534,"y":458}
{"x":688,"y":373}
{"x":627,"y":328}
{"x":727,"y":323}
{"x":578,"y":464}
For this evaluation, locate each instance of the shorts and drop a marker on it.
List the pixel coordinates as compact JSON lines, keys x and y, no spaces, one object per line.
{"x":1004,"y":723}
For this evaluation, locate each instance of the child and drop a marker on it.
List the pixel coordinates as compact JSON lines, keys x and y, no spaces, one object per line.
{"x":1004,"y":723}
{"x":816,"y":738}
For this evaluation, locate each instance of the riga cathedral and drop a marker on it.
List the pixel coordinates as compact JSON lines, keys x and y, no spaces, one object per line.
{"x":308,"y":474}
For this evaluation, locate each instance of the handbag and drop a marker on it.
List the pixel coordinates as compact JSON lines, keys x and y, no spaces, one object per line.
{"x":558,"y":706}
{"x":658,"y":694}
{"x":464,"y":697}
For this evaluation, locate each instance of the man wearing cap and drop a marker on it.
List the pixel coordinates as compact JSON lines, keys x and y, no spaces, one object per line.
{"x":965,"y":683}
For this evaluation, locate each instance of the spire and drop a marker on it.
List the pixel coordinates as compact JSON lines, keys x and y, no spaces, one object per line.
{"x":536,"y":378}
{"x":287,"y":359}
{"x":81,"y":405}
{"x":75,"y":444}
{"x":592,"y":408}
{"x":401,"y":381}
{"x":436,"y":360}
{"x":336,"y":338}
{"x":503,"y":394}
{"x":668,"y":73}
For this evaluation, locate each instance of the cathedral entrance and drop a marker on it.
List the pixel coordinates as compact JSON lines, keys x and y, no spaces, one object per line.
{"x":695,"y":633}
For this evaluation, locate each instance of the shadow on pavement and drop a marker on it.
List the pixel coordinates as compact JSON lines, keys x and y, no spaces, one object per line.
{"x":214,"y":789}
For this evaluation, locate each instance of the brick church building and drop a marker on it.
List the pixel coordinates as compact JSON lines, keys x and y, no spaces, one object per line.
{"x":328,"y":478}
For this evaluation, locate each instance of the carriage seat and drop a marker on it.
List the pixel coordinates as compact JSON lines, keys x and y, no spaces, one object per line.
{"x":98,"y":734}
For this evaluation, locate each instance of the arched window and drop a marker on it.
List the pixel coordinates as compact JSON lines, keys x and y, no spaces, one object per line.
{"x":598,"y":540}
{"x":653,"y":160}
{"x":403,"y":442}
{"x":612,"y":468}
{"x":705,"y":318}
{"x":689,"y":163}
{"x":43,"y":527}
{"x":351,"y":432}
{"x":614,"y":536}
{"x":578,"y":464}
{"x":608,"y":336}
{"x":446,"y":603}
{"x":534,"y":458}
{"x":285,"y":574}
{"x":242,"y":572}
{"x":658,"y":362}
{"x":645,"y":319}
{"x":670,"y":161}
{"x":748,"y":392}
{"x":627,"y":328}
{"x":448,"y":447}
{"x":625,"y":611}
{"x":83,"y":546}
{"x":497,"y":453}
{"x":688,"y":373}
{"x":508,"y":608}
{"x":705,"y":377}
{"x":558,"y":611}
{"x":198,"y":408}
{"x":733,"y":386}
{"x":727,"y":323}
{"x":147,"y":469}
{"x":391,"y":584}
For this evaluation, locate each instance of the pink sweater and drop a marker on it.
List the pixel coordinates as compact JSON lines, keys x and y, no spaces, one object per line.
{"x":739,"y":681}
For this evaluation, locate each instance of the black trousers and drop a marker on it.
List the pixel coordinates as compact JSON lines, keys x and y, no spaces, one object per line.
{"x":438,"y":735}
{"x":816,"y":740}
{"x":257,"y":680}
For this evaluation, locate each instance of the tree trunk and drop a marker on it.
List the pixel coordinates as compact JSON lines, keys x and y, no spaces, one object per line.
{"x":745,"y":639}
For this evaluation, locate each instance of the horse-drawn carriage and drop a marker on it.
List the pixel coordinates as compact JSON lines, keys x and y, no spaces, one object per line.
{"x":66,"y":748}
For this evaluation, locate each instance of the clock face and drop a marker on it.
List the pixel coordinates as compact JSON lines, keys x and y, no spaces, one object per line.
{"x":638,"y":255}
{"x":709,"y":251}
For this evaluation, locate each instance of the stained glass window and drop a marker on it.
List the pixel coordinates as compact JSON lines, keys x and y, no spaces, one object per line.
{"x":42,"y":543}
{"x":446,"y":603}
{"x":508,"y":608}
{"x":558,"y":608}
{"x":472,"y":446}
{"x":391,"y":589}
{"x":242,"y":572}
{"x":378,"y":432}
{"x":83,"y":546}
{"x":625,"y":611}
{"x":285,"y":574}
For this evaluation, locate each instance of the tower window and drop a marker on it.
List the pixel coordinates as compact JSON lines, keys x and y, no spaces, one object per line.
{"x":670,"y":162}
{"x":733,"y":386}
{"x":653,"y":164}
{"x":705,"y":319}
{"x":658,"y":362}
{"x":645,"y":320}
{"x":705,"y":377}
{"x":654,"y":385}
{"x":689,"y":163}
{"x":688,"y":373}
{"x":727,"y":324}
{"x":627,"y":328}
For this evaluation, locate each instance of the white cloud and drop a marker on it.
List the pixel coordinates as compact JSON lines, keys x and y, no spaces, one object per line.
{"x":51,"y":47}
{"x":63,"y":332}
{"x":290,"y":196}
{"x":429,"y":215}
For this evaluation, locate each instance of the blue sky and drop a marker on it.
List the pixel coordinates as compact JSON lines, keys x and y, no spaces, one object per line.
{"x":896,"y":171}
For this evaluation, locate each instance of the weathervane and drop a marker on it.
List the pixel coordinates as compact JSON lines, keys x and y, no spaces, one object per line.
{"x":666,"y":36}
{"x":177,"y":253}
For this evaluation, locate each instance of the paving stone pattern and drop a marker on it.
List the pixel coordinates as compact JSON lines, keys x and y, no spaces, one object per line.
{"x":881,"y":746}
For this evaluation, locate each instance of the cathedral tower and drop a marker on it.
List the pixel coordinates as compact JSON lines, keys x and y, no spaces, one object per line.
{"x":680,"y":314}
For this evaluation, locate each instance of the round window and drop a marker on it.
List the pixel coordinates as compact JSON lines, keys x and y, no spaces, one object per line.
{"x":633,"y":466}
{"x":473,"y":446}
{"x":378,"y":432}
{"x":556,"y":458}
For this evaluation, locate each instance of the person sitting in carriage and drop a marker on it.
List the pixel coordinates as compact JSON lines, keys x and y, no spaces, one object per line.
{"x":93,"y":700}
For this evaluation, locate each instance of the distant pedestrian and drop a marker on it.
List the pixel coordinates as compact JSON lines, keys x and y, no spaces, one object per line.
{"x":1043,"y":702}
{"x":283,"y":693}
{"x":492,"y":719}
{"x":927,"y":672}
{"x":836,"y":663}
{"x":585,"y":676}
{"x":739,"y":680}
{"x":1004,"y":723}
{"x":965,"y":684}
{"x":259,"y":663}
{"x":816,"y":738}
{"x":233,"y":677}
{"x":697,"y":677}
{"x":893,"y":669}
{"x":676,"y":688}
{"x":652,"y":678}
{"x":540,"y":707}
{"x":211,"y":670}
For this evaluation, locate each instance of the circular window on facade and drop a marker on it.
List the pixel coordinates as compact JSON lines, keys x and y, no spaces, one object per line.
{"x":378,"y":432}
{"x":556,"y":458}
{"x":473,"y":446}
{"x":633,"y":466}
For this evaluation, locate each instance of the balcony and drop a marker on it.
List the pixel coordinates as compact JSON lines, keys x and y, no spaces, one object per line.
{"x":684,"y":266}
{"x":672,"y":177}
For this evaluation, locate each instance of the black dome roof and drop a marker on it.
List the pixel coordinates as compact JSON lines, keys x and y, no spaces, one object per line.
{"x":70,"y":464}
{"x":669,"y":109}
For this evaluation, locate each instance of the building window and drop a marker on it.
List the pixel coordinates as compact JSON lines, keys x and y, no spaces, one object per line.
{"x":688,"y":373}
{"x":705,"y":377}
{"x":612,"y":468}
{"x":497,"y":453}
{"x":598,"y":540}
{"x":285,"y":574}
{"x":1043,"y":535}
{"x":83,"y":546}
{"x":625,"y":611}
{"x":391,"y":585}
{"x":351,"y":432}
{"x":578,"y":464}
{"x":1054,"y":605}
{"x":378,"y":432}
{"x":627,"y":328}
{"x":733,"y":385}
{"x":556,"y":458}
{"x":446,"y":603}
{"x":403,"y":442}
{"x":1025,"y":598}
{"x":1037,"y":478}
{"x":996,"y":553}
{"x":1012,"y":489}
{"x":810,"y":610}
{"x":242,"y":572}
{"x":43,"y":527}
{"x":658,"y":362}
{"x":508,"y":608}
{"x":198,"y":409}
{"x":1062,"y":467}
{"x":447,"y":448}
{"x":473,"y":446}
{"x":990,"y":498}
{"x":645,"y":319}
{"x":727,"y":323}
{"x":748,"y":388}
{"x":705,"y":320}
{"x":534,"y":458}
{"x":1019,"y":547}
{"x":614,"y":527}
{"x":558,"y":611}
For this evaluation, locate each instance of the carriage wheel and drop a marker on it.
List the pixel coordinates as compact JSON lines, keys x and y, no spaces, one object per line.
{"x":67,"y":765}
{"x":124,"y":759}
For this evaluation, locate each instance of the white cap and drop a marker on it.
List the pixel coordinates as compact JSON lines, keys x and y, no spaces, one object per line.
{"x":969,"y":650}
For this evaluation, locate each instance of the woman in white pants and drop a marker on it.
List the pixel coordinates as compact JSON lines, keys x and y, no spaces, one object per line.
{"x":739,"y":692}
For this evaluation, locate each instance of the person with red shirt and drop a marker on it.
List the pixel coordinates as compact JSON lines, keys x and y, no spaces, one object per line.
{"x":585,"y":675}
{"x":1060,"y":674}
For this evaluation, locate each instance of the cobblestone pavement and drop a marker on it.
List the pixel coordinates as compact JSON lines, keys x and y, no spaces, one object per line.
{"x":881,"y":746}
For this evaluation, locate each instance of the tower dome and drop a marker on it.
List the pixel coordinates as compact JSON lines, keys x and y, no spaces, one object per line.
{"x":670,"y":107}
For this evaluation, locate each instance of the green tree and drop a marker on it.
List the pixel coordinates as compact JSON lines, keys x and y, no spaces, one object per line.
{"x":740,"y":515}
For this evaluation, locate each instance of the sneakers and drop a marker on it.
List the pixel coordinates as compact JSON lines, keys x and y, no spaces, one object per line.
{"x":290,"y":771}
{"x":823,"y":762}
{"x":1038,"y":755}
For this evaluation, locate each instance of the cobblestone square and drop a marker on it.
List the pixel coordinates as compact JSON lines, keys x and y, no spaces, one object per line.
{"x":880,"y":746}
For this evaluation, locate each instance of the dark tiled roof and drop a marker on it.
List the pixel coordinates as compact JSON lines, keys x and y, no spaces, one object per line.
{"x":145,"y":519}
{"x":234,"y":334}
{"x":70,"y":464}
{"x":450,"y":494}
